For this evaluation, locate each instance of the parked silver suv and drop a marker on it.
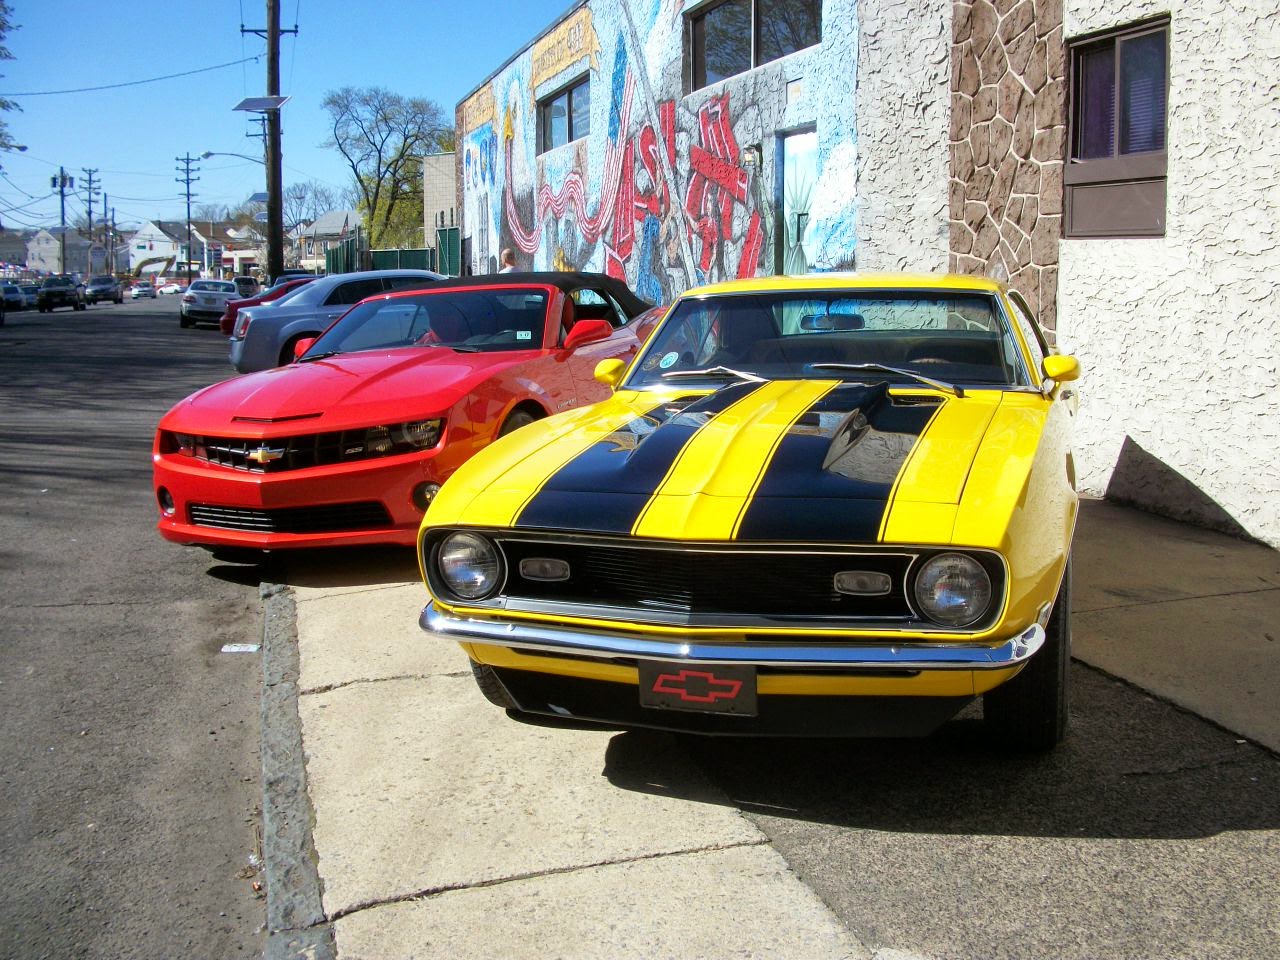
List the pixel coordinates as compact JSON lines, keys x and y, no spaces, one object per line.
{"x":264,"y":336}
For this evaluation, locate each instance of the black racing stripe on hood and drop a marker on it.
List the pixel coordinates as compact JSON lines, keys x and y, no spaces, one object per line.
{"x":831,"y":476}
{"x":605,"y":488}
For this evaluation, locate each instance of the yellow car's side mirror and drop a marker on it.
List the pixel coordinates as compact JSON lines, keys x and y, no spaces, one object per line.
{"x":1056,"y":367}
{"x":609,"y":372}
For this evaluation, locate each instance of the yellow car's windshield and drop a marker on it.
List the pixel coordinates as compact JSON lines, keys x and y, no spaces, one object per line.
{"x":961,"y":338}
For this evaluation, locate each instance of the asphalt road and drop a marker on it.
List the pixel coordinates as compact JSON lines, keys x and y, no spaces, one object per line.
{"x":129,"y":777}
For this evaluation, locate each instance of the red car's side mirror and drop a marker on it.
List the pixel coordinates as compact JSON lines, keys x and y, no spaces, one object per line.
{"x":302,"y":346}
{"x":587,"y":331}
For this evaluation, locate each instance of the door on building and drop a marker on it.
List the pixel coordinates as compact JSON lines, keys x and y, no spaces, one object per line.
{"x":796,"y":187}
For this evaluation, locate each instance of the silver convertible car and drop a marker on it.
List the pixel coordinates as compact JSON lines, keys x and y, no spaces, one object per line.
{"x":264,"y":336}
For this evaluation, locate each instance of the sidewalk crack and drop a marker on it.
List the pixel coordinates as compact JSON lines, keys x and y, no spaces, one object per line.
{"x":327,"y":687}
{"x":1151,"y":603}
{"x":1195,"y":767}
{"x":327,"y":595}
{"x":429,"y":892}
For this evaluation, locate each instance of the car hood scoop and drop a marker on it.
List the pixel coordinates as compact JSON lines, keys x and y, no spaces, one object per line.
{"x":774,"y":460}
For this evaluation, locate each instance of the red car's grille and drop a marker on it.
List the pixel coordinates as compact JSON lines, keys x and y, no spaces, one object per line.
{"x":329,"y":518}
{"x":286,"y":453}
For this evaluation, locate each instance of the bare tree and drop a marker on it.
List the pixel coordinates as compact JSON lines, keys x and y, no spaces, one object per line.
{"x":382,"y":135}
{"x":304,"y":202}
{"x":6,"y":140}
{"x":209,"y":212}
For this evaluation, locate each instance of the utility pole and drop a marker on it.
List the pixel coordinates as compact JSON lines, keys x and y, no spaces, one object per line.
{"x":275,"y":179}
{"x":62,"y":183}
{"x":110,"y":236}
{"x":90,"y":190}
{"x":187,"y":179}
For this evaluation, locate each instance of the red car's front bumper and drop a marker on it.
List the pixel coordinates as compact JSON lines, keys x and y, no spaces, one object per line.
{"x":350,"y":504}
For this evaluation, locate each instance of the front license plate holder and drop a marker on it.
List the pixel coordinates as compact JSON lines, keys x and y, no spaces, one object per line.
{"x":699,"y":687}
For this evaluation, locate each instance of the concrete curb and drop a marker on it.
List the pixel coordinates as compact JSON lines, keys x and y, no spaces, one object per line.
{"x":297,"y":928}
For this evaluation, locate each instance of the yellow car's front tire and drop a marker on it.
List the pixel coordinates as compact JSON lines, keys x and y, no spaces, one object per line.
{"x":1029,"y":712}
{"x":491,"y":686}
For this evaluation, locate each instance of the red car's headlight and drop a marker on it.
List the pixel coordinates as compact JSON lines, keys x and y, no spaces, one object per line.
{"x":181,"y":443}
{"x":403,"y":437}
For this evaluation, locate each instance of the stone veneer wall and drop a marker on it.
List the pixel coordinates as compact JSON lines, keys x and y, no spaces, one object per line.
{"x":1008,"y":133}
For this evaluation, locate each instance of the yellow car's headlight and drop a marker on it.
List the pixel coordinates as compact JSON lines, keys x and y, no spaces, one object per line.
{"x":469,"y":565}
{"x":953,"y":590}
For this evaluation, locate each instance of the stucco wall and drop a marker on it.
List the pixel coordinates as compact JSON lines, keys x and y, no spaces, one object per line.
{"x":1180,"y":405}
{"x":901,"y":144}
{"x":671,"y":190}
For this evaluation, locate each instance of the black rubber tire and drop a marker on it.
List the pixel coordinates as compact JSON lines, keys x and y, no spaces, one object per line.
{"x":286,"y":355}
{"x":491,"y":686}
{"x":183,"y":321}
{"x":1030,"y":712}
{"x":518,"y":419}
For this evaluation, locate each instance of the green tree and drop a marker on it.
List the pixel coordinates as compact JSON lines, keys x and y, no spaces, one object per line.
{"x":399,"y":211}
{"x":6,"y":24}
{"x":382,"y":136}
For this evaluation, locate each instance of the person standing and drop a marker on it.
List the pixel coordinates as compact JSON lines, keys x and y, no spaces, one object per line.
{"x":508,"y":260}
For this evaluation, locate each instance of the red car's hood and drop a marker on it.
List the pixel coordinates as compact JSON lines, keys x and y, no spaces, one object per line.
{"x":350,"y":390}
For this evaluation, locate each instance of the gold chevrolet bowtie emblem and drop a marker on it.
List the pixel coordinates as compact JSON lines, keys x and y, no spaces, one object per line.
{"x":265,"y":454}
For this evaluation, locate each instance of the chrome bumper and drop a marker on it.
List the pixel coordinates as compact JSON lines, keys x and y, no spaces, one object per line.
{"x":606,"y":645}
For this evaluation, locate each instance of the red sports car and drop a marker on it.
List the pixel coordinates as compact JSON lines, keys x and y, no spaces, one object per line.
{"x":348,"y":444}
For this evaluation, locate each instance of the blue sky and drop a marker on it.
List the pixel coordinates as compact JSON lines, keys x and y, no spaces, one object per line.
{"x":132,"y":134}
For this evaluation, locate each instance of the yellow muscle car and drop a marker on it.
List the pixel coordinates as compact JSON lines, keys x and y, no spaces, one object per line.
{"x":827,"y":505}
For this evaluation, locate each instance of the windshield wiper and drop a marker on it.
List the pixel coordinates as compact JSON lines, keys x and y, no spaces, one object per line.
{"x":714,"y":372}
{"x":928,"y":381}
{"x":308,"y":358}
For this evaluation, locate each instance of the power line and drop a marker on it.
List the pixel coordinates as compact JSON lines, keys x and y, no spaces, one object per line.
{"x":133,"y":83}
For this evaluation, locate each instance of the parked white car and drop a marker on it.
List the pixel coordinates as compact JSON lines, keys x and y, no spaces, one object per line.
{"x":171,"y":288}
{"x":205,"y":300}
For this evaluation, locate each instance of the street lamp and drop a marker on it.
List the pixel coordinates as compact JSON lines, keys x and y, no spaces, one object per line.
{"x":270,"y":107}
{"x":243,"y":156}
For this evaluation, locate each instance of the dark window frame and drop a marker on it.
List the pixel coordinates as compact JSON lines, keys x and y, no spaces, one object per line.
{"x":1120,"y":195}
{"x":695,"y":41}
{"x":580,"y":83}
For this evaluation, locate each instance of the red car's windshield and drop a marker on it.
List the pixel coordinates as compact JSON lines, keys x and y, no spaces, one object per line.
{"x":469,"y":321}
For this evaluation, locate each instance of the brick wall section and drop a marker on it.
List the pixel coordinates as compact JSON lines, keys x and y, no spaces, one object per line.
{"x":1007,"y":142}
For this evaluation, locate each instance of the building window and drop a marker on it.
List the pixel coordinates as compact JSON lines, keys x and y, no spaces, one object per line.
{"x":1117,"y":158}
{"x":732,"y":37}
{"x":565,"y":116}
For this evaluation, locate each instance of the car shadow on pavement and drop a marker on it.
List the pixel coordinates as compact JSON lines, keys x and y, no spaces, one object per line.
{"x":1132,"y":767}
{"x":348,"y":567}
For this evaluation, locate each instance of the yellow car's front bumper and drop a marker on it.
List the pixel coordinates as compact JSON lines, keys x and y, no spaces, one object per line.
{"x":804,"y":687}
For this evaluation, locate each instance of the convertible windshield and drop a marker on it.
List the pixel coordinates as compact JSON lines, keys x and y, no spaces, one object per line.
{"x":469,"y":321}
{"x":839,"y":334}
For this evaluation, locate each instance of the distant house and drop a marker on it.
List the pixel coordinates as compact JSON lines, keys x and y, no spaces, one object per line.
{"x":219,"y":248}
{"x":327,"y":230}
{"x":45,"y":251}
{"x":13,"y":250}
{"x":157,"y":248}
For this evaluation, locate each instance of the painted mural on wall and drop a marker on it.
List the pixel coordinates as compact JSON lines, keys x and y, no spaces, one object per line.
{"x":667,"y":191}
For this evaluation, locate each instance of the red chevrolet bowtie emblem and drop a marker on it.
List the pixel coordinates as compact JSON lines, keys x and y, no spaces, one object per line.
{"x":697,"y":686}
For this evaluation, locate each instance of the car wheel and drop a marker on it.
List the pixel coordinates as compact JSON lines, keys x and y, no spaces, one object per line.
{"x":518,"y":419}
{"x":1029,"y":712}
{"x":183,"y":322}
{"x":491,"y":686}
{"x":286,"y":355}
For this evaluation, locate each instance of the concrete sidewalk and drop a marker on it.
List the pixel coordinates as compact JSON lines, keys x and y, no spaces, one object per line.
{"x":444,"y":829}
